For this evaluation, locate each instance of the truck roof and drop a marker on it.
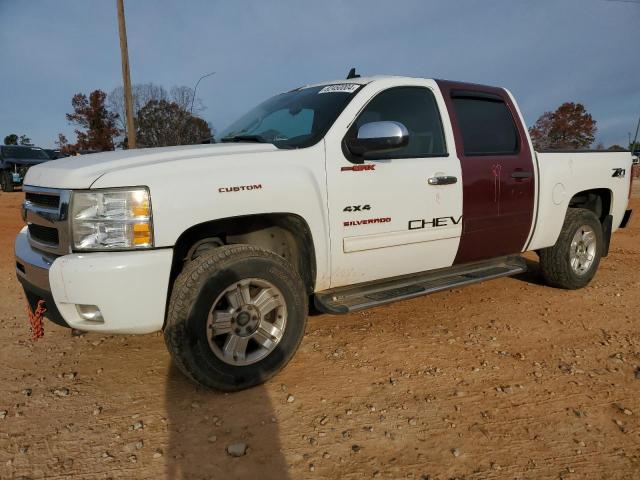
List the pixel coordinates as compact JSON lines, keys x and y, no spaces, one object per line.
{"x":373,"y":78}
{"x":356,"y":80}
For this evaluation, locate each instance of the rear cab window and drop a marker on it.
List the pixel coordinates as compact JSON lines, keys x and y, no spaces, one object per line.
{"x":486,"y":124}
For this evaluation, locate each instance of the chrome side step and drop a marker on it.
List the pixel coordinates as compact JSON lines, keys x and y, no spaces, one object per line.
{"x":366,"y":295}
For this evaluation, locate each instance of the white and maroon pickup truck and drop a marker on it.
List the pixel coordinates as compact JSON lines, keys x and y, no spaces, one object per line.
{"x":348,"y":194}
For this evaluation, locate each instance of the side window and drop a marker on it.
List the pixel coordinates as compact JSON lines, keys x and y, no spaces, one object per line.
{"x":416,"y":109}
{"x":486,"y":126}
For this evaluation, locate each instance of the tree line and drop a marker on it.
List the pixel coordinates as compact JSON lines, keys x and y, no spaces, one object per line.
{"x":162,"y":118}
{"x":165,"y":118}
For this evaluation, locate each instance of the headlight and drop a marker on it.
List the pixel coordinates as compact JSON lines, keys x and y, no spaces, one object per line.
{"x":111,"y":219}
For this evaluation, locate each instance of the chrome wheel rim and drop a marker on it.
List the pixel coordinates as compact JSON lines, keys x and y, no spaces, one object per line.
{"x":246,"y":321}
{"x":583,"y":250}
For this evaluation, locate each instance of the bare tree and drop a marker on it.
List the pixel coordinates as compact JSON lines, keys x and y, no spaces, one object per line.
{"x":162,"y":123}
{"x":143,"y":94}
{"x":183,"y":96}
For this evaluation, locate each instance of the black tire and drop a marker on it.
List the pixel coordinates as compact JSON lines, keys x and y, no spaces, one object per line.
{"x":7,"y":181}
{"x":195,"y":290}
{"x":555,"y":262}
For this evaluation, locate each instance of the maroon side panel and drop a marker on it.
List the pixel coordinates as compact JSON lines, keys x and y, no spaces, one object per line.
{"x":497,"y":209}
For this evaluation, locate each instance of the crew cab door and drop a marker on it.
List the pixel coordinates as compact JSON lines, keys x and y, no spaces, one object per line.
{"x":387,"y":218}
{"x":498,"y":172}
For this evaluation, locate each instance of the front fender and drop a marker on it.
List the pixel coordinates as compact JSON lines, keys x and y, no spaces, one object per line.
{"x":194,"y":191}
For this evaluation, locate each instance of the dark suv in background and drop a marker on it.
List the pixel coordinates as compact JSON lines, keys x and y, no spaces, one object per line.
{"x":15,"y":160}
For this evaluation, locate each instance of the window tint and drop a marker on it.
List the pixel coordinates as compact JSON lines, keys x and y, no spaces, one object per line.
{"x":486,"y":125}
{"x":296,"y":119}
{"x":288,"y":124}
{"x":416,"y":109}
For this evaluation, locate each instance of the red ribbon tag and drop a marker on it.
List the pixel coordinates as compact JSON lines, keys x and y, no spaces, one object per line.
{"x":35,"y":319}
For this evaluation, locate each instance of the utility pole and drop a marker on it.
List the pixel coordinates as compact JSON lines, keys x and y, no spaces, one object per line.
{"x":126,"y":79}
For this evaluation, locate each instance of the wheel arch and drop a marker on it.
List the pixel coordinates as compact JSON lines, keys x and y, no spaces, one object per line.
{"x":598,"y":200}
{"x":286,"y":234}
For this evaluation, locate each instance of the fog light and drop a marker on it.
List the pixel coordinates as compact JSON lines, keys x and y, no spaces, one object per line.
{"x":91,"y":313}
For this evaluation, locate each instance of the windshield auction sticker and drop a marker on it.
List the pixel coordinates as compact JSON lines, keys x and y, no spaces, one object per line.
{"x":340,"y":88}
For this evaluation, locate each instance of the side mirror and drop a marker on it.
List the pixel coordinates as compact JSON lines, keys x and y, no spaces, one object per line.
{"x":378,"y":137}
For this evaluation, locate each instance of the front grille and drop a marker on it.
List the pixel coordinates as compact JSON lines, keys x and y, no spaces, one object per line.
{"x":43,"y":234}
{"x":46,"y":213}
{"x":43,"y":200}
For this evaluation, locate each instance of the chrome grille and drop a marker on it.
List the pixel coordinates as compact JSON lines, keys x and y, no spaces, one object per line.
{"x":48,"y":235}
{"x":46,"y":212}
{"x":43,"y":200}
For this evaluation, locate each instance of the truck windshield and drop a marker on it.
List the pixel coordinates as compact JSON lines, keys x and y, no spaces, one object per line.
{"x":295,"y":119}
{"x":24,"y":153}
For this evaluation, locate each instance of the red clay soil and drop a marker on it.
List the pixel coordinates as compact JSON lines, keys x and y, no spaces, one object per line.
{"x":505,"y":379}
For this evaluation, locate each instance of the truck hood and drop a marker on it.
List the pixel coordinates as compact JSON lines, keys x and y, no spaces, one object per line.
{"x":82,"y":171}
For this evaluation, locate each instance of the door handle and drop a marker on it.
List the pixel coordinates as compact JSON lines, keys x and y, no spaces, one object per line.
{"x":521,"y":174}
{"x":443,"y":180}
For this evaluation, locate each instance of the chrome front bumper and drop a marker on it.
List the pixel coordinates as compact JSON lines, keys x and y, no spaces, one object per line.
{"x":32,"y":271}
{"x":32,"y":266}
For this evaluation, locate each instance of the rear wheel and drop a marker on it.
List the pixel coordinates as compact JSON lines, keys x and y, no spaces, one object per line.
{"x":6,"y":180}
{"x":236,"y":317}
{"x":573,"y":261}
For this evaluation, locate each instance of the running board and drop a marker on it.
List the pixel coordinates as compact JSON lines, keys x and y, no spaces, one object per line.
{"x":366,"y":295}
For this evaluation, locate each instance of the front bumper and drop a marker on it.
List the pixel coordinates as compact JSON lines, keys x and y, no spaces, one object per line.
{"x":129,"y":288}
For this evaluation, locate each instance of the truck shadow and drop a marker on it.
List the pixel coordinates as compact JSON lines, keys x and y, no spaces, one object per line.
{"x":202,"y":423}
{"x":533,"y":274}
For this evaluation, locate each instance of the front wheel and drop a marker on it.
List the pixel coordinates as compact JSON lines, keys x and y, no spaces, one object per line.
{"x":236,"y":317}
{"x":573,"y":261}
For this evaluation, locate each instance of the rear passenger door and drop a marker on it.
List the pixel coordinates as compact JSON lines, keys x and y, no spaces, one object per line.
{"x":497,"y":171}
{"x":386,"y":218}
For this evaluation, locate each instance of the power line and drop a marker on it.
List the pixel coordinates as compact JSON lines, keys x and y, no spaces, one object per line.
{"x":637,"y":2}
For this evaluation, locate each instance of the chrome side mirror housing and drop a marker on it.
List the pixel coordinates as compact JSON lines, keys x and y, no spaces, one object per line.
{"x":375,"y":138}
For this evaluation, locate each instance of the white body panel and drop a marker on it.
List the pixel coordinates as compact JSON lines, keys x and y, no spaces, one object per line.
{"x":397,"y":190}
{"x":129,"y":288}
{"x":187,"y":192}
{"x":563,"y":175}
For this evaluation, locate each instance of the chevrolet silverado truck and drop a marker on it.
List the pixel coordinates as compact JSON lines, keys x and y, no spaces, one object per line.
{"x":343,"y":195}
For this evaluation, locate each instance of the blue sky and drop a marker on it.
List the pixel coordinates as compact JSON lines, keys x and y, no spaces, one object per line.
{"x":545,"y":51}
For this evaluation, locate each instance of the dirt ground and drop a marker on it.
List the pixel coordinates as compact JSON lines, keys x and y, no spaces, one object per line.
{"x":504,"y":379}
